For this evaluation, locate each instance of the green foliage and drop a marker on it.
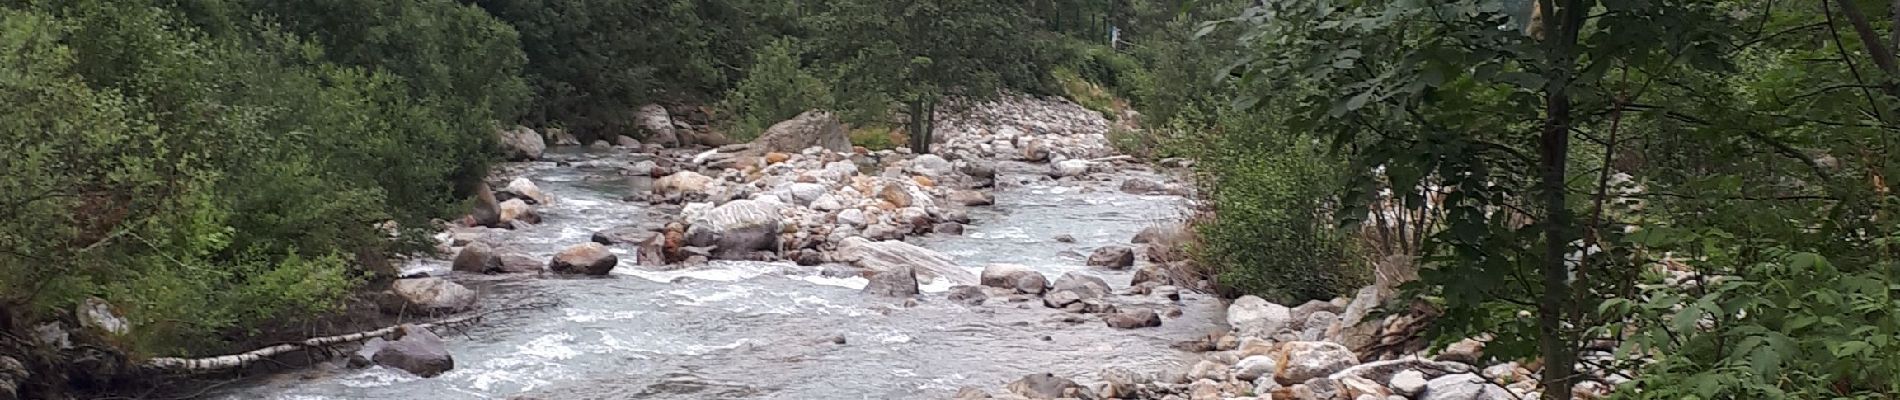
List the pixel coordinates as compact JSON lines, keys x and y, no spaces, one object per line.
{"x":875,"y":137}
{"x":1272,"y":195}
{"x":775,"y":89}
{"x":1087,"y":94}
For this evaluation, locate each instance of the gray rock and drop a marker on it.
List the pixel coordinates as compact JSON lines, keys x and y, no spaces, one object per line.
{"x":967,"y":294}
{"x":1152,"y":273}
{"x":971,"y":393}
{"x":852,"y":217}
{"x":433,"y":295}
{"x":1015,"y":277}
{"x":524,"y":188}
{"x":888,"y":255}
{"x":418,"y":351}
{"x":1316,"y":325}
{"x":1069,"y":168}
{"x":518,"y":264}
{"x":1065,"y":238}
{"x":477,"y":257}
{"x":1410,"y":382}
{"x":1048,"y":386}
{"x":1083,"y":285}
{"x":1121,"y":383}
{"x":683,"y":182}
{"x":1062,"y":299}
{"x":1138,"y":185}
{"x":1254,"y":316}
{"x":806,"y":193}
{"x":1112,"y":257}
{"x":809,"y":129}
{"x":588,"y":258}
{"x":930,"y":165}
{"x":1140,"y":318}
{"x":738,"y":228}
{"x":896,"y":282}
{"x":1463,"y":387}
{"x":948,"y":228}
{"x":1254,"y":367}
{"x":972,"y":198}
{"x":521,"y":144}
{"x":657,"y":124}
{"x":1209,"y":370}
{"x":1308,"y":360}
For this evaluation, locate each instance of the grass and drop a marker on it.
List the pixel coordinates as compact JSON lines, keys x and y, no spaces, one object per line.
{"x":876,"y":137}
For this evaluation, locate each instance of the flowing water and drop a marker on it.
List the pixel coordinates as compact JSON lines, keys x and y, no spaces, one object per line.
{"x":772,"y":330}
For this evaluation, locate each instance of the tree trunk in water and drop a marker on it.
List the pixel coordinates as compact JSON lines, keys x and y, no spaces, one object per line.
{"x":1553,"y":148}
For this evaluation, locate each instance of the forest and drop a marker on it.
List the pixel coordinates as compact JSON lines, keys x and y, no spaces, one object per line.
{"x":1692,"y":193}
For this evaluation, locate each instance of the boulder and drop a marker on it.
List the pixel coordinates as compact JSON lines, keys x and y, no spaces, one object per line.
{"x":562,"y":138}
{"x":683,"y":182}
{"x":521,"y":144}
{"x":1316,"y":324}
{"x":524,"y":188}
{"x":1138,"y":185}
{"x":1048,"y":386}
{"x":515,"y":210}
{"x":1083,"y":285}
{"x":519,"y":264}
{"x":971,"y":393}
{"x":812,"y":128}
{"x":890,"y":255}
{"x":1467,"y":351}
{"x":626,"y":141}
{"x":587,"y":258}
{"x":930,"y":165}
{"x":1357,"y":329}
{"x":1034,"y":151}
{"x":1121,"y":383}
{"x":1255,"y":317}
{"x":896,"y":195}
{"x":657,"y":124}
{"x":1069,"y":168}
{"x":1158,"y":234}
{"x":806,"y":193}
{"x":1112,"y":257}
{"x":972,"y":198}
{"x":1408,"y":383}
{"x":1463,"y":387}
{"x":852,"y":217}
{"x":1014,"y":277}
{"x":948,"y":228}
{"x":896,"y":282}
{"x":1308,"y":360}
{"x":418,"y":351}
{"x":1254,"y":367}
{"x":1060,"y":299}
{"x":1139,"y":318}
{"x":487,"y":211}
{"x":433,"y":295}
{"x":477,"y":257}
{"x":738,"y":228}
{"x":1209,"y":370}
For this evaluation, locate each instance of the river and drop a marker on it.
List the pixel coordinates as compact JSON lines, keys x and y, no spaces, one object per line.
{"x":761,"y":330}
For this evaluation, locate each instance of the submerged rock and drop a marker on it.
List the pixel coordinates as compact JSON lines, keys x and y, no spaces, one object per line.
{"x":477,"y":257}
{"x":890,"y":255}
{"x":418,"y":351}
{"x":1049,"y":386}
{"x":1140,"y":318}
{"x":1014,"y":277}
{"x":1112,"y":257}
{"x":896,"y":282}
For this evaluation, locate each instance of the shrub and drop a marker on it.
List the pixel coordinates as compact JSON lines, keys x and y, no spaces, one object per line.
{"x":775,"y":89}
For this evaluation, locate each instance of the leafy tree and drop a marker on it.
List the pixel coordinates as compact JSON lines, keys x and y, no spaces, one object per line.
{"x":775,"y":89}
{"x":926,"y":54}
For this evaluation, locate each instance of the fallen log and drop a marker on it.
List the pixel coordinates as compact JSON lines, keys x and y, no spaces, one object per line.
{"x":231,"y":361}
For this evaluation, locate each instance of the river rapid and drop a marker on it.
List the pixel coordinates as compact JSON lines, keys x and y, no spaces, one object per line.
{"x":775,"y":330}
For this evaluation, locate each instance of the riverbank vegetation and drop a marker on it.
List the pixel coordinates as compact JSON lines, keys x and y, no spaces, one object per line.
{"x":1702,"y":185}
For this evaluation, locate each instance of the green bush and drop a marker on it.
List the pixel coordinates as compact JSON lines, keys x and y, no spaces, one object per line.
{"x":1271,"y":196}
{"x":775,"y":89}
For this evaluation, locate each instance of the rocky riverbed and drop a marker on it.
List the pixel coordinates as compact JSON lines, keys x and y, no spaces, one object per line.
{"x":1025,"y":261}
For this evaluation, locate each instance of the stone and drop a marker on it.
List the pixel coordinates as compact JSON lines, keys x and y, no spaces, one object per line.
{"x":852,"y":217}
{"x":1308,"y":360}
{"x":1034,"y":151}
{"x":1139,"y":318}
{"x":1254,"y":367}
{"x":477,"y":257}
{"x":1065,"y":238}
{"x":1115,"y":257}
{"x":890,"y":254}
{"x":1152,"y":273}
{"x":657,"y":124}
{"x":1049,"y":386}
{"x":1254,"y":316}
{"x":1355,"y":387}
{"x":418,"y":351}
{"x":739,"y":228}
{"x":809,"y":257}
{"x":896,"y":195}
{"x":98,"y":315}
{"x":896,"y":282}
{"x":929,"y":165}
{"x":1060,"y":299}
{"x":1209,"y":370}
{"x":1468,"y":351}
{"x":433,"y":295}
{"x":1138,"y":185}
{"x":683,"y":182}
{"x":1463,"y":387}
{"x":1317,"y":388}
{"x":808,"y":129}
{"x":522,"y":187}
{"x":972,"y":198}
{"x":587,"y":259}
{"x":1305,"y":311}
{"x":1069,"y":168}
{"x":1121,"y":383}
{"x":971,"y":393}
{"x":517,"y":264}
{"x":626,"y":141}
{"x":515,"y":210}
{"x":1409,"y":383}
{"x":521,"y":144}
{"x":1316,"y":325}
{"x":1083,"y":285}
{"x":1166,"y":292}
{"x":1205,"y":389}
{"x":807,"y":193}
{"x":1014,"y":277}
{"x":1355,"y":329}
{"x":948,"y":228}
{"x":776,"y":157}
{"x":967,"y":294}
